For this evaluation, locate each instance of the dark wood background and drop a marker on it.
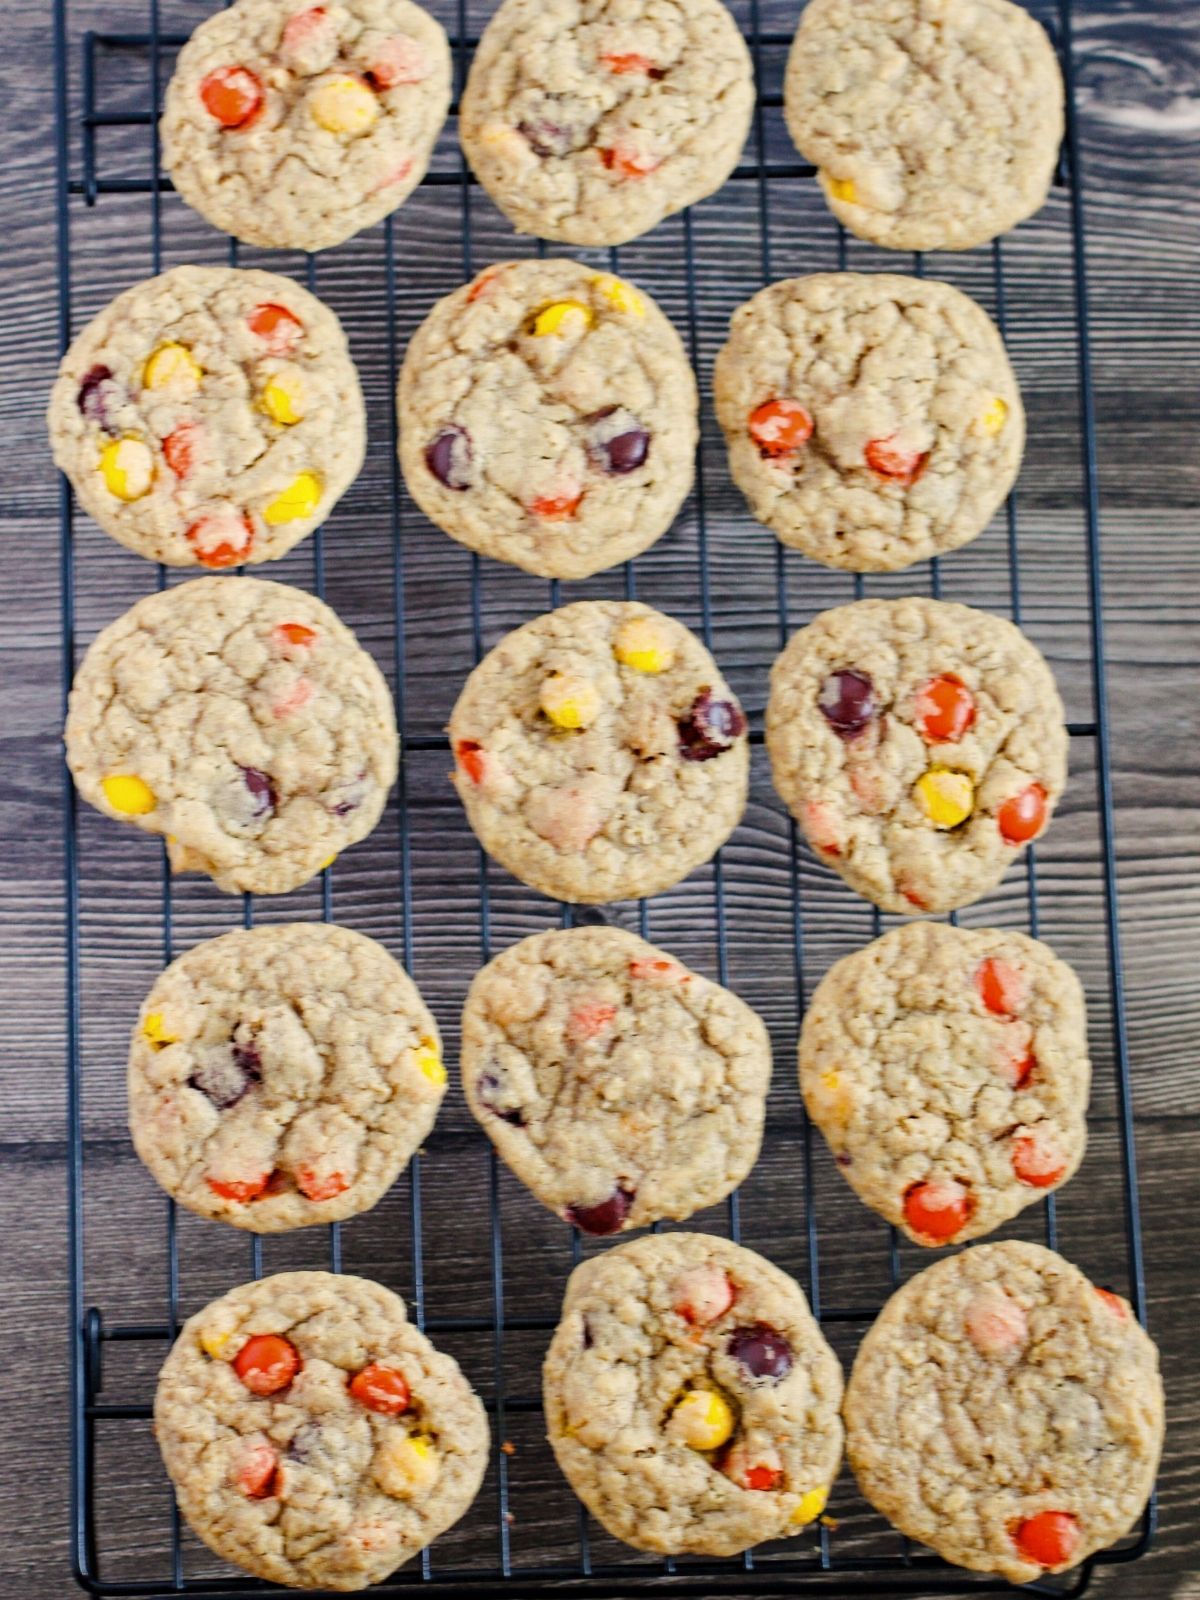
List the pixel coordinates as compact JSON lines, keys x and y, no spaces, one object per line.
{"x":1138,"y":72}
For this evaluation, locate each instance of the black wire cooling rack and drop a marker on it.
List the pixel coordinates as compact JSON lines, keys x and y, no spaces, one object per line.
{"x":764,"y":915}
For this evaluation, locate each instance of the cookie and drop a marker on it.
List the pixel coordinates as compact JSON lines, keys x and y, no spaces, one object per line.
{"x":934,"y":124}
{"x":690,"y":1397}
{"x":210,"y":416}
{"x":948,"y":1070}
{"x":872,"y":420}
{"x":242,"y":721}
{"x":283,"y":1076}
{"x":1006,"y":1412}
{"x":919,"y":744}
{"x":618,"y":1086}
{"x":548,"y":417}
{"x":295,"y":126}
{"x":592,"y":120}
{"x":599,"y":753}
{"x":313,"y":1435}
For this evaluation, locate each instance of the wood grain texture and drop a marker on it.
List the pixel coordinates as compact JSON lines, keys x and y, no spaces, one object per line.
{"x":1138,"y":67}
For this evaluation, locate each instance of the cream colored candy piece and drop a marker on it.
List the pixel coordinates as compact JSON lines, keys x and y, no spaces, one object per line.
{"x":127,"y":468}
{"x":405,"y":1466}
{"x":570,"y":701}
{"x":172,"y":366}
{"x":342,"y":104}
{"x":644,"y":643}
{"x":702,"y":1420}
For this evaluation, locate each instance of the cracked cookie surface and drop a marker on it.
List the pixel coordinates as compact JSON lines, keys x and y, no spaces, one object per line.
{"x":295,"y":126}
{"x":872,"y":420}
{"x":592,"y":120}
{"x":618,"y":1086}
{"x":599,"y":753}
{"x":313,"y":1435}
{"x":283,"y":1076}
{"x":948,"y":1071}
{"x":920,"y":744}
{"x":548,"y":417}
{"x":934,"y":124}
{"x":691,"y":1400}
{"x":209,"y":417}
{"x":1006,"y":1412}
{"x":241,"y":720}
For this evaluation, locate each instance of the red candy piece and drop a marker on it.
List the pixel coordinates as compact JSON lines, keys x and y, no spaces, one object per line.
{"x":220,"y":539}
{"x":780,"y":426}
{"x":556,"y":507}
{"x":606,"y":1216}
{"x":303,"y":28}
{"x":629,"y":163}
{"x":320,"y":1188}
{"x":469,"y":756}
{"x":1049,"y":1538}
{"x":890,"y":459}
{"x":1037,"y":1160}
{"x":937,"y":1210}
{"x":232,"y":96}
{"x":275,"y":326}
{"x":945,"y":709}
{"x":257,"y":1475}
{"x":482,"y":283}
{"x":296,"y":634}
{"x":1001,"y":986}
{"x":232,"y":1189}
{"x":1114,"y":1303}
{"x":589,"y":1019}
{"x":181,"y":448}
{"x":761,"y":1477}
{"x":623,"y":64}
{"x":1022,"y":816}
{"x":267,"y":1363}
{"x":381,"y":1389}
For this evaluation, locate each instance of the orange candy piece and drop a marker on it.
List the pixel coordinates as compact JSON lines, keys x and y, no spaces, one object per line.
{"x":622,"y":64}
{"x":589,"y":1019}
{"x":890,"y":459}
{"x":275,"y":326}
{"x":398,"y":59}
{"x":232,"y":96}
{"x":242,"y":1190}
{"x":315,"y":1188}
{"x":937,"y":1209}
{"x":778,"y":427}
{"x":557,"y":507}
{"x":1037,"y":1161}
{"x":296,"y":634}
{"x":181,"y":448}
{"x":266,"y":1363}
{"x":470,"y":758}
{"x":221,"y":538}
{"x":1001,"y":986}
{"x":945,"y":710}
{"x":256,"y":1477}
{"x":381,"y":1389}
{"x":1023,"y":816}
{"x":1049,"y":1538}
{"x":629,"y":163}
{"x":1114,"y":1303}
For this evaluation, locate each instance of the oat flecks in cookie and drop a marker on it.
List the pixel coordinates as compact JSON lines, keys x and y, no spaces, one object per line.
{"x":590,"y":122}
{"x":283,"y":1076}
{"x":934,"y":124}
{"x":948,"y":1070}
{"x":242,"y":721}
{"x":548,"y":417}
{"x":1006,"y":1412}
{"x":872,"y":420}
{"x":917,"y":798}
{"x":621,"y":802}
{"x":294,"y":126}
{"x":691,"y":1399}
{"x":601,"y":1067}
{"x":313,"y":1436}
{"x":209,"y":417}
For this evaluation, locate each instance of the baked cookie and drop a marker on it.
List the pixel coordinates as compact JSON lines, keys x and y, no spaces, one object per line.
{"x":1006,"y":1412}
{"x":209,"y":417}
{"x":592,"y":120}
{"x":934,"y":124}
{"x":919,"y":744}
{"x":872,"y":420}
{"x":294,"y":126}
{"x":313,"y":1435}
{"x":948,"y":1070}
{"x":548,"y":417}
{"x":282,"y":1076}
{"x":691,"y":1399}
{"x":241,"y":720}
{"x":618,"y":1086}
{"x":599,"y":753}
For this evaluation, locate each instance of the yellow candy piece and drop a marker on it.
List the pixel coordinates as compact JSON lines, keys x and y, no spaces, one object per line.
{"x":842,"y":189}
{"x":127,"y":468}
{"x":212,"y":1342}
{"x":620,"y":295}
{"x":564,"y":316}
{"x":644,"y":644}
{"x":155,"y":1030}
{"x":428,"y":1058}
{"x":343,"y":104}
{"x":283,"y":398}
{"x":947,"y":797}
{"x":299,"y":499}
{"x":405,"y":1466}
{"x":128,"y":794}
{"x":811,"y":1506}
{"x":328,"y":862}
{"x":569,"y":702}
{"x":702,"y":1420}
{"x":994,"y":417}
{"x":172,"y":364}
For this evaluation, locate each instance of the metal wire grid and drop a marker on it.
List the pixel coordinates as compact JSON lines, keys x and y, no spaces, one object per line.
{"x":822,"y":1569}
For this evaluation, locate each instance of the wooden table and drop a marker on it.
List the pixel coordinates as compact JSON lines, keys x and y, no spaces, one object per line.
{"x":1141,"y":127}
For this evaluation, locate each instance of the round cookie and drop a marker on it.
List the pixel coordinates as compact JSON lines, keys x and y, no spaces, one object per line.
{"x":1006,"y":1412}
{"x":599,"y":753}
{"x":313,"y":1435}
{"x":618,"y":1086}
{"x":920,"y":745}
{"x":242,"y":721}
{"x":871,"y":419}
{"x":948,"y":1070}
{"x":934,"y":124}
{"x":283,"y":1076}
{"x":690,"y":1397}
{"x":295,"y":126}
{"x":592,"y":120}
{"x":210,"y":416}
{"x":548,"y":417}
